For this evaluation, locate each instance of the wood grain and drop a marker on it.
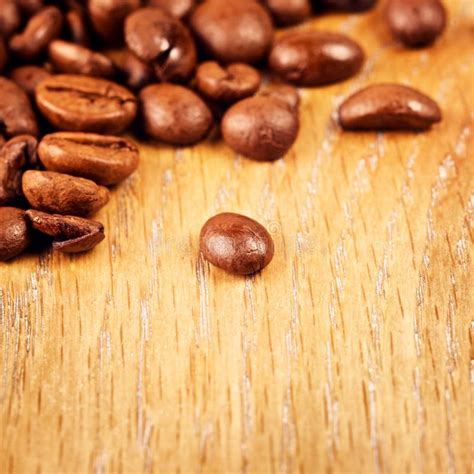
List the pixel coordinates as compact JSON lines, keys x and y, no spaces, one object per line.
{"x":349,"y":353}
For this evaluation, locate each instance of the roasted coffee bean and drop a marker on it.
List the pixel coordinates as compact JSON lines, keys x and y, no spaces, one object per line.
{"x":107,"y":160}
{"x":77,"y":27}
{"x":289,"y":12}
{"x":236,"y":243}
{"x":263,"y":128}
{"x":40,"y":30}
{"x":3,"y":55}
{"x":345,"y":5}
{"x":177,"y":8}
{"x":283,"y":92}
{"x":15,"y":235}
{"x":108,"y":16}
{"x":388,"y":107}
{"x":28,"y":77}
{"x":63,"y":194}
{"x":227,"y":84}
{"x":136,"y":73}
{"x":156,"y":37}
{"x":70,"y":234}
{"x":16,"y":114}
{"x":16,"y":155}
{"x":416,"y":23}
{"x":86,"y":104}
{"x":174,"y":114}
{"x":233,"y":31}
{"x":10,"y":18}
{"x":71,"y":58}
{"x":315,"y":58}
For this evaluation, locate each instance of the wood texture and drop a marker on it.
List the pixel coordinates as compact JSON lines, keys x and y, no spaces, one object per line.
{"x":349,"y":353}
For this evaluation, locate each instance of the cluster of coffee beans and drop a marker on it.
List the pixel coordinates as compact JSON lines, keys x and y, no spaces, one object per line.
{"x":187,"y":65}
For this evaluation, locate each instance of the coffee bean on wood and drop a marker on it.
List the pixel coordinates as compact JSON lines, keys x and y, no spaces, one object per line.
{"x":15,"y":236}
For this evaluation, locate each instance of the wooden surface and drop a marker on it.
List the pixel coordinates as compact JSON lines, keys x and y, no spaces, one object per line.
{"x":349,"y":353}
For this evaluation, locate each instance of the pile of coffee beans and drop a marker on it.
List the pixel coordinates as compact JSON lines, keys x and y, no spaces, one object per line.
{"x":184,"y":68}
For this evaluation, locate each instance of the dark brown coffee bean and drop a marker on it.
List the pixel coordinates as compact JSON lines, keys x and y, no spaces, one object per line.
{"x":158,"y":38}
{"x":289,"y":12}
{"x":70,"y":234}
{"x":16,"y":155}
{"x":236,"y":243}
{"x":10,"y":18}
{"x":15,"y":235}
{"x":28,"y":77}
{"x":174,"y":114}
{"x":71,"y":58}
{"x":108,"y":16}
{"x":262,"y":128}
{"x":16,"y":114}
{"x":86,"y":104}
{"x":107,"y":160}
{"x":40,"y":30}
{"x":136,"y":73}
{"x":233,"y":31}
{"x":283,"y":92}
{"x":63,"y":194}
{"x":345,"y":5}
{"x":388,"y":107}
{"x":177,"y":8}
{"x":77,"y":26}
{"x":416,"y":23}
{"x":315,"y":58}
{"x":227,"y":84}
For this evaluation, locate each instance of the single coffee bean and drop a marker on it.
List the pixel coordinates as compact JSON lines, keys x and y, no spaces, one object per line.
{"x":158,"y":38}
{"x":315,"y":58}
{"x":388,"y":107}
{"x":416,"y":23}
{"x":16,"y":114}
{"x":177,"y":8}
{"x":107,"y":160}
{"x":263,"y":128}
{"x":63,"y":194}
{"x":70,"y":234}
{"x":86,"y":104}
{"x":16,"y":155}
{"x":15,"y":235}
{"x":283,"y":92}
{"x":345,"y":5}
{"x":175,"y":114}
{"x":77,"y":26}
{"x":108,"y":16}
{"x":40,"y":30}
{"x":71,"y":58}
{"x":136,"y":73}
{"x":28,"y":77}
{"x":233,"y":31}
{"x":289,"y":12}
{"x":10,"y":18}
{"x":227,"y":84}
{"x":236,"y":243}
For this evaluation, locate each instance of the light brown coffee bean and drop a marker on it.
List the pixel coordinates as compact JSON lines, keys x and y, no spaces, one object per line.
{"x":71,"y":58}
{"x":107,"y":160}
{"x":283,"y":92}
{"x":15,"y":235}
{"x":236,"y":243}
{"x":289,"y":12}
{"x":10,"y":18}
{"x":70,"y":234}
{"x":388,"y":107}
{"x":175,"y":114}
{"x":59,"y":193}
{"x":86,"y":104}
{"x":28,"y":77}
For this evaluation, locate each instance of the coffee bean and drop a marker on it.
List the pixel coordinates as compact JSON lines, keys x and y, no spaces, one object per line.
{"x":16,"y":155}
{"x":227,"y":84}
{"x":71,"y":58}
{"x":39,"y":31}
{"x":86,"y":104}
{"x":77,"y":26}
{"x":136,"y":73}
{"x":28,"y":77}
{"x":283,"y":92}
{"x":107,"y":160}
{"x":315,"y":58}
{"x":233,"y":31}
{"x":261,"y":127}
{"x":70,"y":234}
{"x":388,"y":107}
{"x":416,"y":23}
{"x":345,"y":5}
{"x":15,"y":235}
{"x":177,"y":8}
{"x":174,"y":114}
{"x":108,"y":16}
{"x":158,"y":38}
{"x":16,"y":114}
{"x":10,"y":18}
{"x":289,"y":12}
{"x":236,"y":243}
{"x":63,"y":194}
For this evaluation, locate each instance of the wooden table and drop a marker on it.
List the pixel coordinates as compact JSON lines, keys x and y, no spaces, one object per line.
{"x":349,"y":353}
